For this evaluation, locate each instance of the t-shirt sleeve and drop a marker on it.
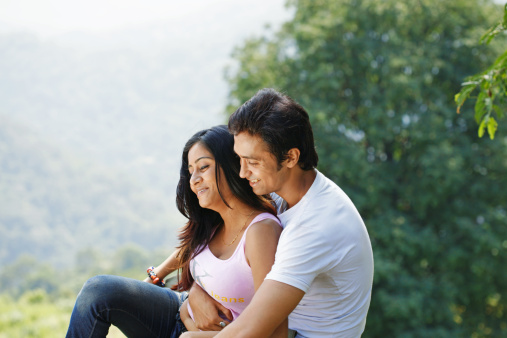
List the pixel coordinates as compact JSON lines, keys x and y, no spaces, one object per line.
{"x":301,"y":255}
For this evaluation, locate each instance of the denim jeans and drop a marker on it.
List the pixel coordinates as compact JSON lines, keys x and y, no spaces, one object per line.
{"x":137,"y":308}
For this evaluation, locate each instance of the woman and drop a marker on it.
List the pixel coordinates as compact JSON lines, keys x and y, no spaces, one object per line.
{"x":227,"y":247}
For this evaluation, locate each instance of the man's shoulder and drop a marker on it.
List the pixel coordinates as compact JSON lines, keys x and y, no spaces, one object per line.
{"x":328,"y":209}
{"x":328,"y":197}
{"x":324,"y":202}
{"x":327,"y":185}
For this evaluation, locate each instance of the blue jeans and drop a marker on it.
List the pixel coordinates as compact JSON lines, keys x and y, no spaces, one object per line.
{"x":137,"y":308}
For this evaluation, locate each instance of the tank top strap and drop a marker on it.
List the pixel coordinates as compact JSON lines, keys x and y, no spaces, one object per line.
{"x":258,"y":218}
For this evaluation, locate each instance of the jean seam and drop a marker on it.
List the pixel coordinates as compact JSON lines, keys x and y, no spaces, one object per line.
{"x":128,"y":313}
{"x":93,"y":327}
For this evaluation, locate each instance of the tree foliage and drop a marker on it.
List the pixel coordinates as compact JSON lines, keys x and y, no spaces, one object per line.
{"x":492,"y":86}
{"x":378,"y":79}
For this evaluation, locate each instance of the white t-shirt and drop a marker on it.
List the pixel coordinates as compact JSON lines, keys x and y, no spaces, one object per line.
{"x":325,"y":251}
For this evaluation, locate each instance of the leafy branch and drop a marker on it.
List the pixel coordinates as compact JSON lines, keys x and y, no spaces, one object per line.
{"x":492,"y":85}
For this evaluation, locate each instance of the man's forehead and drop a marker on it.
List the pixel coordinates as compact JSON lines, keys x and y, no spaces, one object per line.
{"x":248,"y":145}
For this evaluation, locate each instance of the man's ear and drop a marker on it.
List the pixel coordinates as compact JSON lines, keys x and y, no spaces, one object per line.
{"x":292,"y":157}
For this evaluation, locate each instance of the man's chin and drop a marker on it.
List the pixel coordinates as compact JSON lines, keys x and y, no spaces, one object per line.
{"x":258,"y":191}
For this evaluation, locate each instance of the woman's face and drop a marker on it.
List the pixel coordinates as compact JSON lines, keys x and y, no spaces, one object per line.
{"x":201,"y":166}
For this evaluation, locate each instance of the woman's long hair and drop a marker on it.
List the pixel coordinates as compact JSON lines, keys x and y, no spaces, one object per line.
{"x":202,"y":223}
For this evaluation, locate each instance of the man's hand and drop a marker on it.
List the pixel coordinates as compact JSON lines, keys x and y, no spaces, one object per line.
{"x":206,"y":310}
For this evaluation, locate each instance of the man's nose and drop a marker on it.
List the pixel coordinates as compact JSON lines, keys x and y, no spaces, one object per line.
{"x":243,"y":170}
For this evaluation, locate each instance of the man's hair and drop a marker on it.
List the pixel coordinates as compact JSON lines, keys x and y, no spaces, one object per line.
{"x":280,"y":122}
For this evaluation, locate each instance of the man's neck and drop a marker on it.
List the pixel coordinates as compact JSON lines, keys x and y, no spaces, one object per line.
{"x":297,"y":185}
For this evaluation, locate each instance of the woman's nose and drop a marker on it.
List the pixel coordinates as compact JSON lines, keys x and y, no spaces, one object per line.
{"x":195,"y":178}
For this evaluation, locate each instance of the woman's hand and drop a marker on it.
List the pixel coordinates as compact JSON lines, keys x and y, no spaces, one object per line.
{"x":206,"y":310}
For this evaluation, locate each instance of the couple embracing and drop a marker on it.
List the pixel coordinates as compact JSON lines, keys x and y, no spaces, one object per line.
{"x":241,"y":275}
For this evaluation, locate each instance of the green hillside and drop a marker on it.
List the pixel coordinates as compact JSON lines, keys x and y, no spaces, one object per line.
{"x":53,"y":203}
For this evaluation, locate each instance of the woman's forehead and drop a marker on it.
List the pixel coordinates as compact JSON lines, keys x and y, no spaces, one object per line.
{"x":197,"y":152}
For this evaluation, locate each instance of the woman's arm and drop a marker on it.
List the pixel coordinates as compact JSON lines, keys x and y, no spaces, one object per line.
{"x":168,"y":266}
{"x":193,"y":331}
{"x":206,"y":310}
{"x":260,"y":248}
{"x":185,"y":317}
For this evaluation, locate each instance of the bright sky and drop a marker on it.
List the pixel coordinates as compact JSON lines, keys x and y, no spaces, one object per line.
{"x":51,"y":18}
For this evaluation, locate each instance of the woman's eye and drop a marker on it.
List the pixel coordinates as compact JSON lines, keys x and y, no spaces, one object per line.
{"x":204,"y":167}
{"x":252,"y":163}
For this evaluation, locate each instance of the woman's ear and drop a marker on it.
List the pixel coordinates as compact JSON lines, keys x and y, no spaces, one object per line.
{"x":292,"y":157}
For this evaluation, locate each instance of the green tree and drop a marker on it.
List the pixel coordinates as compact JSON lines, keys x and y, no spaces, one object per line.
{"x":492,"y":85}
{"x":378,"y":79}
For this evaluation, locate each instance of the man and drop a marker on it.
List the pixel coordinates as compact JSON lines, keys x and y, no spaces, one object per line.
{"x":323,"y":271}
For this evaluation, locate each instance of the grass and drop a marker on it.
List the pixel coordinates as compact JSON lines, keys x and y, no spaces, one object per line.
{"x":36,"y":315}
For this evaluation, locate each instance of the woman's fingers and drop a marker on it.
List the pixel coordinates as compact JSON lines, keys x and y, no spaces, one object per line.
{"x":226,"y":312}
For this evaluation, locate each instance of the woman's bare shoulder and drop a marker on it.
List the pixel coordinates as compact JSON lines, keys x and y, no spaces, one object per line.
{"x":266,"y":227}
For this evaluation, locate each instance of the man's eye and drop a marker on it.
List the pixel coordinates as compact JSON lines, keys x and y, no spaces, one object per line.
{"x":252,"y":163}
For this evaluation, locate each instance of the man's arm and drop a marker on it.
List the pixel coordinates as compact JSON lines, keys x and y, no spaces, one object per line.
{"x":260,"y":248}
{"x":270,"y":306}
{"x":199,"y":334}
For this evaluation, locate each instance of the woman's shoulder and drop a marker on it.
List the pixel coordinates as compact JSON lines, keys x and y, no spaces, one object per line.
{"x":265,"y":226}
{"x":262,"y":239}
{"x":265,"y":216}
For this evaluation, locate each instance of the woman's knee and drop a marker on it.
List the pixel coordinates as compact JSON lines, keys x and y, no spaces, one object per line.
{"x":99,"y":283}
{"x":94,"y":289}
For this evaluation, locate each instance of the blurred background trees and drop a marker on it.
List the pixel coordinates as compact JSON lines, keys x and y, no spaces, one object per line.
{"x":378,"y":79}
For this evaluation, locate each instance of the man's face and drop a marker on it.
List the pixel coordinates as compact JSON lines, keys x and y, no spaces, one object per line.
{"x":258,"y":164}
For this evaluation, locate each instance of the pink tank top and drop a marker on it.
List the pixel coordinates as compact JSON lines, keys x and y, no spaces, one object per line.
{"x":229,"y":281}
